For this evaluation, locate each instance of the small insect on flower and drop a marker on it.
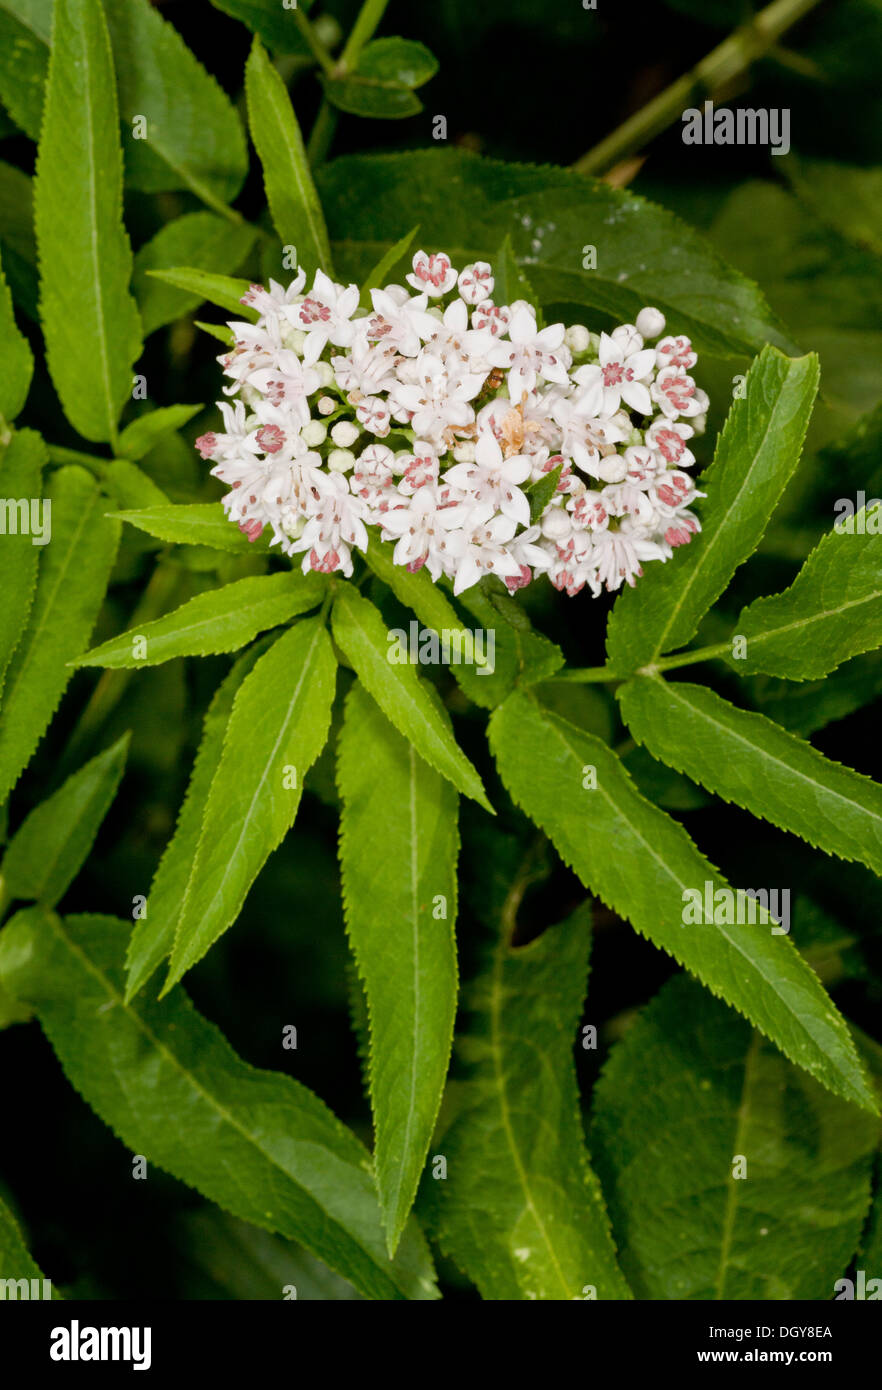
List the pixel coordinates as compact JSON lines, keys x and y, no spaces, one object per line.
{"x":488,"y":403}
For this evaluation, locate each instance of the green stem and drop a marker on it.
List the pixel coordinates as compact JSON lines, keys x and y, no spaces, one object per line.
{"x":586,"y":675}
{"x":369,"y":17}
{"x":315,"y":46}
{"x":724,"y":64}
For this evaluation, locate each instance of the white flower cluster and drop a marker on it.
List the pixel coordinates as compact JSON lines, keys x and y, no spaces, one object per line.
{"x":433,"y":414}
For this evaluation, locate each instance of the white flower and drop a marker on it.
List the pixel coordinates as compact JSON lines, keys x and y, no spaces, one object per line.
{"x":422,"y":528}
{"x":480,"y":547}
{"x":493,"y":480}
{"x":530,"y":353}
{"x":668,"y":438}
{"x":617,"y":376}
{"x":434,"y":274}
{"x":334,"y":524}
{"x":676,"y":393}
{"x":495,"y":318}
{"x":476,"y":282}
{"x":324,"y":315}
{"x":437,"y":401}
{"x":402,"y":324}
{"x":675,"y":352}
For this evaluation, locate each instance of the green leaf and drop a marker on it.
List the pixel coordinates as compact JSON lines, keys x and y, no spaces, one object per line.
{"x":198,"y":239}
{"x":645,"y":255}
{"x":521,"y":656}
{"x":757,"y":452}
{"x":416,"y":591}
{"x":521,"y":1212}
{"x":73,"y":574}
{"x":153,"y":936}
{"x":15,"y":1258}
{"x":845,"y":196}
{"x":379,"y":276}
{"x":17,"y":237}
{"x":21,"y":464}
{"x":223,"y":335}
{"x":510,"y":282}
{"x":398,"y":848}
{"x":277,"y":729}
{"x":242,"y":1262}
{"x":802,"y":707}
{"x":16,"y":358}
{"x":383,"y":79}
{"x":138,"y":438}
{"x":362,"y":636}
{"x":692,"y":1078}
{"x":130,"y":487}
{"x":170,"y":1087}
{"x":202,"y":285}
{"x":832,"y":610}
{"x":745,"y":758}
{"x":24,"y":58}
{"x":219,"y":620}
{"x":541,"y":492}
{"x":274,"y":22}
{"x":193,"y":137}
{"x":50,"y":847}
{"x":643,"y":865}
{"x":294,"y":204}
{"x":199,"y":523}
{"x":90,"y":322}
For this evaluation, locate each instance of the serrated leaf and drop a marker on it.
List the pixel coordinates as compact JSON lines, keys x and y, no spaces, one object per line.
{"x":24,"y":57}
{"x":274,"y":22}
{"x":16,"y":358}
{"x":50,"y":847}
{"x":153,"y":936}
{"x":541,"y":492}
{"x":362,"y":636}
{"x":142,"y":435}
{"x":197,"y":523}
{"x":644,"y":866}
{"x":395,"y":59}
{"x":17,"y":237}
{"x":223,"y":290}
{"x":416,"y":591}
{"x":510,"y":282}
{"x":125,"y":482}
{"x":645,"y":255}
{"x":293,"y":201}
{"x":16,"y":1261}
{"x":756,"y":454}
{"x":219,"y":620}
{"x":198,"y":239}
{"x":521,"y":1212}
{"x":21,"y":464}
{"x":72,"y":578}
{"x":378,"y":277}
{"x":398,"y":849}
{"x":832,"y":610}
{"x":804,"y":706}
{"x":520,"y":655}
{"x":278,"y":727}
{"x":243,"y":1262}
{"x":692,"y":1078}
{"x":193,"y":138}
{"x":89,"y":319}
{"x":746,"y":758}
{"x":170,"y":1087}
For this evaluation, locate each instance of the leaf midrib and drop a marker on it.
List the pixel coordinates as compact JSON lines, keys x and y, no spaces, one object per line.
{"x":210,"y":1099}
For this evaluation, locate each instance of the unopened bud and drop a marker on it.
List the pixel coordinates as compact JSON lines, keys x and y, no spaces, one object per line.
{"x":650,"y":323}
{"x":341,"y":460}
{"x":344,"y":433}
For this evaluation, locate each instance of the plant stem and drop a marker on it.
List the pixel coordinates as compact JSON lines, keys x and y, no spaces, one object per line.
{"x":322,"y":133}
{"x":597,"y":674}
{"x":369,"y":16}
{"x":315,"y":46}
{"x":726,"y":62}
